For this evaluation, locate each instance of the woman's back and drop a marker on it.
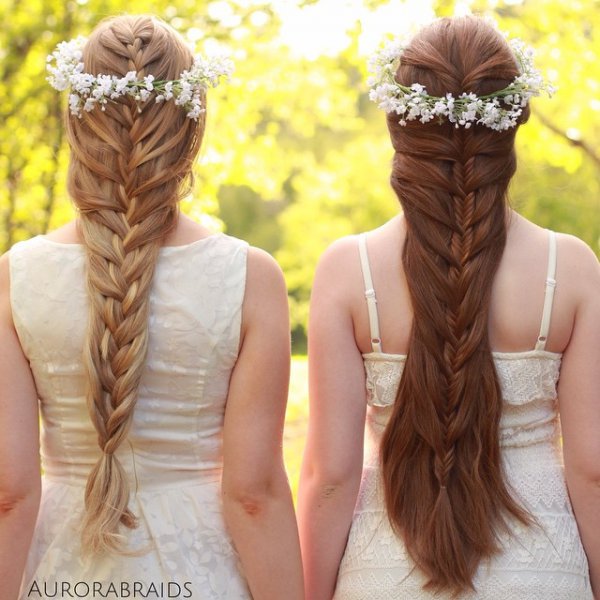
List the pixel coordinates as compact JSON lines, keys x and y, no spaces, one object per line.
{"x":517,"y":296}
{"x":173,"y":454}
{"x":545,"y":560}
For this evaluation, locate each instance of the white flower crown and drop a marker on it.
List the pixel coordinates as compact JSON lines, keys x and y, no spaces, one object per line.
{"x":87,"y":90}
{"x":498,"y":110}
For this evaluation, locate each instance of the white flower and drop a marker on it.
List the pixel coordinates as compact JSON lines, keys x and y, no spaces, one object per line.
{"x":426,"y":115}
{"x":184,"y":95}
{"x":75,"y":104}
{"x":148,"y":82}
{"x":196,"y":109}
{"x":123,"y":84}
{"x":67,"y":71}
{"x":499,"y":110}
{"x":440,"y":108}
{"x":168,"y":90}
{"x":82,"y":83}
{"x":89,"y":104}
{"x":67,"y":57}
{"x":413,"y":113}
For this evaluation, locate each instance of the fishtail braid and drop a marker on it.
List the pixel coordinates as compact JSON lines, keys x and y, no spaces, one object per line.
{"x":444,"y":486}
{"x":127,"y":167}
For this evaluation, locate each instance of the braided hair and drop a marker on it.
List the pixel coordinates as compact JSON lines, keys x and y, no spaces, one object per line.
{"x":445,"y":491}
{"x":126,"y":172}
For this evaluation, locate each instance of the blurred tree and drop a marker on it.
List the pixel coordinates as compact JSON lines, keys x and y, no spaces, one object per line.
{"x":295,"y":155}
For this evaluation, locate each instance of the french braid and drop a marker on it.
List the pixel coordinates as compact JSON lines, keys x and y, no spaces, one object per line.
{"x":125,"y":175}
{"x":445,"y":490}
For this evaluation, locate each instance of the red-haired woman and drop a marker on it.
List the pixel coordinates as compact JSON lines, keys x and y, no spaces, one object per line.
{"x":444,"y":333}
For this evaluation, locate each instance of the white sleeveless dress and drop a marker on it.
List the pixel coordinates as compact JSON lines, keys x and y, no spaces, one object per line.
{"x":544,"y":562}
{"x":173,"y":454}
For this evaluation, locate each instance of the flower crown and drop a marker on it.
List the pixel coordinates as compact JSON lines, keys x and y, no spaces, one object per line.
{"x":498,"y":110}
{"x":66,"y":71}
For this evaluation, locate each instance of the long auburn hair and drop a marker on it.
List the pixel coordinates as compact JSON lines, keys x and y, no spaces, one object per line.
{"x":445,"y":491}
{"x":127,"y":172}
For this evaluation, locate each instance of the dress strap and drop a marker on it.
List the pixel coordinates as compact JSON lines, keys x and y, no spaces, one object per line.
{"x":369,"y":293}
{"x":549,"y":292}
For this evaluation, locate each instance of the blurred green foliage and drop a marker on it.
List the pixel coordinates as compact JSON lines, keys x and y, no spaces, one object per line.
{"x":296,"y":421}
{"x":295,"y":155}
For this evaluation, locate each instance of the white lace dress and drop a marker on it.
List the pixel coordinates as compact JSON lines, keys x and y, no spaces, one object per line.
{"x":541,"y":562}
{"x":174,"y":452}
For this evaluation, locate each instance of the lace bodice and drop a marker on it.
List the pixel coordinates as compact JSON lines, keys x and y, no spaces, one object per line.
{"x":527,"y":381}
{"x":173,"y":454}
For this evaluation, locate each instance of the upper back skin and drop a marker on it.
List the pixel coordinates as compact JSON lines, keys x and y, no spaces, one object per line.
{"x":186,"y":231}
{"x":517,"y":292}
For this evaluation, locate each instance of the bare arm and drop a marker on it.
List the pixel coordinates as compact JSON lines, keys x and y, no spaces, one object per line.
{"x":332,"y":464}
{"x":257,"y":500}
{"x":19,"y":449}
{"x":579,"y":398}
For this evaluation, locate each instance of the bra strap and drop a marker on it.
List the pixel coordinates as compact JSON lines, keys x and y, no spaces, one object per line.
{"x":369,"y":293}
{"x":549,"y":293}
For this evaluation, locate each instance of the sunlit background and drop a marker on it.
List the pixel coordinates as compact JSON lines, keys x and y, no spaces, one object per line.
{"x":295,"y":155}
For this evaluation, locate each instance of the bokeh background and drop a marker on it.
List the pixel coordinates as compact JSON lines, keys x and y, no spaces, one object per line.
{"x":295,"y":155}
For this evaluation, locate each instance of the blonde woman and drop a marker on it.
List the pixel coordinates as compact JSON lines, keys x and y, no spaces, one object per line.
{"x":156,"y":351}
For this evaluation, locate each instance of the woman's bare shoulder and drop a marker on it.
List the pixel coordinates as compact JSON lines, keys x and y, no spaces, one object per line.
{"x":66,"y":234}
{"x":265,"y":283}
{"x":262,"y":267}
{"x":573,"y":253}
{"x":339,"y":253}
{"x":578,"y":268}
{"x":344,"y":253}
{"x":576,"y":252}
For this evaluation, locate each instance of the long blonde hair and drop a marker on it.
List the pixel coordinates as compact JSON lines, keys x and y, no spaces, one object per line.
{"x":125,"y":177}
